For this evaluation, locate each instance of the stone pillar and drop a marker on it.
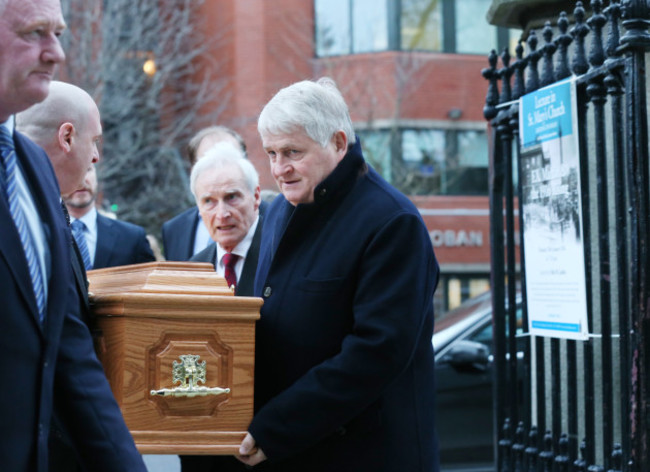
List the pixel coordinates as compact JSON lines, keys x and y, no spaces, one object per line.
{"x":529,"y":14}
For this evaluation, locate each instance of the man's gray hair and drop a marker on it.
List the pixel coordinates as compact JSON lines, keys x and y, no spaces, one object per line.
{"x":213,"y":131}
{"x":317,"y":107}
{"x":220,"y":155}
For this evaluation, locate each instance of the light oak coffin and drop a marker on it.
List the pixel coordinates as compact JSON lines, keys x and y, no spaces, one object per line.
{"x":152,"y":314}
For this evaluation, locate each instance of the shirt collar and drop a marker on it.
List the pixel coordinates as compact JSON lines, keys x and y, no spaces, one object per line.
{"x":244,"y":245}
{"x":90,"y":220}
{"x":9,"y":124}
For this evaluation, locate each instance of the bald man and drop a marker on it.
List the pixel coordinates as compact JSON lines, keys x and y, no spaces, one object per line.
{"x":67,"y":125}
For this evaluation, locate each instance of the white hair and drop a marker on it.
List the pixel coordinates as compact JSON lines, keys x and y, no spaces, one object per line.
{"x":317,"y":107}
{"x":220,"y":155}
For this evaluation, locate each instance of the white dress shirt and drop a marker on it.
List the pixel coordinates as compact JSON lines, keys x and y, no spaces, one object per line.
{"x":202,"y":237}
{"x":241,"y":250}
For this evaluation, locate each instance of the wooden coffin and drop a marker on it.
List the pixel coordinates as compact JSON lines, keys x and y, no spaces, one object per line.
{"x":178,"y":350}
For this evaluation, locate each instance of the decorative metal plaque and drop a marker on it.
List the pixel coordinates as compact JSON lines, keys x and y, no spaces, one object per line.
{"x":189,"y":372}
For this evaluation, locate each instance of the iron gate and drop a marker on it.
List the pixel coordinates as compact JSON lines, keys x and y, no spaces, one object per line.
{"x":577,"y":405}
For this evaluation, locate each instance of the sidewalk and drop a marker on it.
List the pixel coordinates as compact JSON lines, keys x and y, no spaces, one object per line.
{"x":162,"y":463}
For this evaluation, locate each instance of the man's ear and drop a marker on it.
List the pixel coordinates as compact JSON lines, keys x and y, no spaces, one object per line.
{"x":258,"y":197}
{"x":341,"y":143}
{"x":65,"y":135}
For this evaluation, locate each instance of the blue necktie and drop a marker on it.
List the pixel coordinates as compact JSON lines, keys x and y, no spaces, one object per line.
{"x":78,"y":228}
{"x":11,"y":191}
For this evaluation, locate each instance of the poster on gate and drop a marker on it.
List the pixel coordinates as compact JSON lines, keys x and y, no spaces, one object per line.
{"x":552,"y":213}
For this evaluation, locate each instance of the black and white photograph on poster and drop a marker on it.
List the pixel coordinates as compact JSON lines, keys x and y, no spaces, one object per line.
{"x":551,"y":214}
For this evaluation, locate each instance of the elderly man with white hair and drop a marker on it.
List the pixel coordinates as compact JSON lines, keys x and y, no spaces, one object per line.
{"x":226,"y":187}
{"x":227,"y":192}
{"x":344,"y":367}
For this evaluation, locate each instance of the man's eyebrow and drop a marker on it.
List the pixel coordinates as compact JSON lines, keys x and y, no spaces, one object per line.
{"x":53,"y":25}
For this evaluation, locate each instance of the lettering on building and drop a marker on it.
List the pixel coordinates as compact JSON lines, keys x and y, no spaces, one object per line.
{"x":453,"y":238}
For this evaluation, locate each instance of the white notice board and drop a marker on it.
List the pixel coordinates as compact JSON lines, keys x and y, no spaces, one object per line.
{"x":552,"y":213}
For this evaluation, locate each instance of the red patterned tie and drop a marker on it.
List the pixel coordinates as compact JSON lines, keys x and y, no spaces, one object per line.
{"x":229,"y":261}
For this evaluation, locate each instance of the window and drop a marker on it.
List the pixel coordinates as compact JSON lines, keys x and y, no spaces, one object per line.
{"x":422,"y":25}
{"x":351,"y":26}
{"x":369,"y":26}
{"x":376,"y":150}
{"x":332,"y":30}
{"x":454,"y":289}
{"x":430,"y":161}
{"x":358,"y":26}
{"x":473,"y":34}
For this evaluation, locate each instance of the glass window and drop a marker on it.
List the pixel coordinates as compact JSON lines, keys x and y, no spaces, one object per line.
{"x":455,"y":290}
{"x":474,"y":35}
{"x":424,"y":149}
{"x":422,"y":167}
{"x":376,"y":150}
{"x":332,"y":27}
{"x":483,"y":336}
{"x":350,"y":26}
{"x":472,"y":149}
{"x":421,"y":25}
{"x":369,"y":26}
{"x":358,"y":26}
{"x":429,"y":161}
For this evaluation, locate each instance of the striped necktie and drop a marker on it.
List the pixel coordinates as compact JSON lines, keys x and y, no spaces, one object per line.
{"x":78,"y":228}
{"x":10,"y":169}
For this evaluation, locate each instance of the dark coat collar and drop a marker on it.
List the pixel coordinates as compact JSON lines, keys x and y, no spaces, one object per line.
{"x":345,"y":174}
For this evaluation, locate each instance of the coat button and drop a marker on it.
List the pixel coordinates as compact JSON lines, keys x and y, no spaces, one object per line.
{"x":341,"y":431}
{"x":323,"y":192}
{"x":267,"y":291}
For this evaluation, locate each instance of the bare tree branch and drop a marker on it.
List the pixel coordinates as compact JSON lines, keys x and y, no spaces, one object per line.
{"x":147,"y":118}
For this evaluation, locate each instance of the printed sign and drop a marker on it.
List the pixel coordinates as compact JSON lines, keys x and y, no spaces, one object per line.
{"x":552,"y":213}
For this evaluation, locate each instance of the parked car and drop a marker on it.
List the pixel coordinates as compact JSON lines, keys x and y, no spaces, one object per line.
{"x":464,"y":369}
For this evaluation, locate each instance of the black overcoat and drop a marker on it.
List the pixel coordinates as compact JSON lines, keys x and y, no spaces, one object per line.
{"x":344,"y":377}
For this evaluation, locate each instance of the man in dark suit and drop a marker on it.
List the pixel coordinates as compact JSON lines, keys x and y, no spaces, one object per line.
{"x":344,"y":366}
{"x":110,"y":242}
{"x":43,"y":341}
{"x":68,"y":128}
{"x":185,"y":234}
{"x":227,"y":192}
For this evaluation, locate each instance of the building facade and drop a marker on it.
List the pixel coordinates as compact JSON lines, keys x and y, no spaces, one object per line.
{"x":410,"y":72}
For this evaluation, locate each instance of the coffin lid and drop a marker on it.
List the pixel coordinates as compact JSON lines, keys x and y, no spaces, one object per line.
{"x":183,"y":278}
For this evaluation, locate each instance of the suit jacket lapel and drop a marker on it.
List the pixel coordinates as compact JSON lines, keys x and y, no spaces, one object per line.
{"x":189,"y":236}
{"x":45,"y":192}
{"x":247,"y":279}
{"x":106,"y":240}
{"x":9,"y":243}
{"x":79,"y":273}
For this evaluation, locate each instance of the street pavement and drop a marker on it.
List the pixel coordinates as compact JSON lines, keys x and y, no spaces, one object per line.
{"x":162,"y":463}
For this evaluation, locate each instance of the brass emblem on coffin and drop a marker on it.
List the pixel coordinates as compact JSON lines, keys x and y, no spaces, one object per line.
{"x":189,"y":372}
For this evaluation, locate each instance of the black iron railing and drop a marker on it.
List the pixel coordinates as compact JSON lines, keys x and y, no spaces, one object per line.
{"x":577,"y":405}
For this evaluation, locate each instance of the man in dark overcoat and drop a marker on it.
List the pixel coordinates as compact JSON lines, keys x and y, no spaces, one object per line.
{"x":344,"y":377}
